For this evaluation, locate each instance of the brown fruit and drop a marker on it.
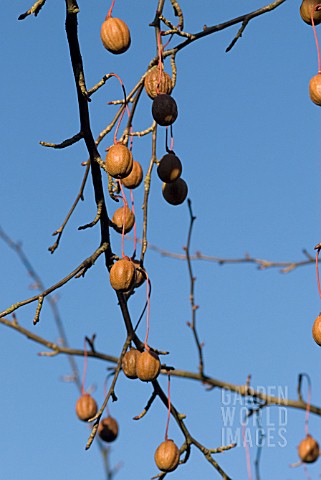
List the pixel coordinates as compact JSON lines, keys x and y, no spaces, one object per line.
{"x":140,"y":274}
{"x":175,"y":192}
{"x":164,"y":110}
{"x":86,"y":407}
{"x":308,"y":450}
{"x":306,"y":9}
{"x":316,"y":330}
{"x":169,"y":168}
{"x":108,"y":429}
{"x":122,"y":275}
{"x":167,"y":456}
{"x":134,"y":179}
{"x":115,"y":35}
{"x":129,"y":363}
{"x":123,"y":216}
{"x":148,"y":366}
{"x":156,"y":82}
{"x":119,"y":161}
{"x":315,"y":89}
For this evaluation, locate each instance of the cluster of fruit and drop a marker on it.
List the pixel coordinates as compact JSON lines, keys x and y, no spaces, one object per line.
{"x":86,"y":408}
{"x":146,"y":366}
{"x":310,"y":12}
{"x":115,"y":36}
{"x":127,"y":274}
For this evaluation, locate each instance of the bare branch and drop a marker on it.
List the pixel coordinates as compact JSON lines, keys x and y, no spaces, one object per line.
{"x":194,"y":307}
{"x":65,"y":143}
{"x":149,"y":404}
{"x":79,"y":271}
{"x":35,"y":9}
{"x":96,"y":219}
{"x":80,"y":196}
{"x":285,"y":267}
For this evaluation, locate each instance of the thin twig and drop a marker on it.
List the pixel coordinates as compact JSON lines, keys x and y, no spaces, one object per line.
{"x":35,"y":9}
{"x":194,"y":307}
{"x":148,"y":405}
{"x":66,"y":143}
{"x":111,"y":393}
{"x":285,"y":267}
{"x":146,"y":195}
{"x":80,"y":196}
{"x":78,"y":271}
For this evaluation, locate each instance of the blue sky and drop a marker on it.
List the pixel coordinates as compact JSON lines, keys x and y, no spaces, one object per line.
{"x":248,"y":138}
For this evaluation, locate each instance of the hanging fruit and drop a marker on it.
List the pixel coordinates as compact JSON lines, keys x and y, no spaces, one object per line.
{"x":108,"y":429}
{"x":86,"y":407}
{"x":308,"y":450}
{"x":123,"y":218}
{"x":148,"y":366}
{"x":175,"y":192}
{"x":316,"y":330}
{"x":169,"y":168}
{"x":119,"y":161}
{"x":167,"y":456}
{"x":122,"y":275}
{"x":115,"y":35}
{"x":315,"y":89}
{"x":307,"y":6}
{"x":129,"y":363}
{"x":140,"y":274}
{"x":157,"y":81}
{"x":164,"y":110}
{"x":134,"y":179}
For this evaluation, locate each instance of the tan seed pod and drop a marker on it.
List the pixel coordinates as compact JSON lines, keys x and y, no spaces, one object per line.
{"x":167,"y":456}
{"x":315,"y":89}
{"x":148,"y":366}
{"x":134,"y":179}
{"x":108,"y":429}
{"x":129,"y":363}
{"x":316,"y":330}
{"x":306,"y":9}
{"x":308,"y":450}
{"x":169,"y":168}
{"x":86,"y":407}
{"x":119,"y":161}
{"x":122,"y":275}
{"x":115,"y":35}
{"x":175,"y":192}
{"x":156,"y":82}
{"x":164,"y":110}
{"x":123,"y":216}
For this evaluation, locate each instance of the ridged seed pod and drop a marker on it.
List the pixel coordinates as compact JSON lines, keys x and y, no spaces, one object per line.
{"x":86,"y":407}
{"x":148,"y":366}
{"x":129,"y":363}
{"x":316,"y":330}
{"x":122,"y":275}
{"x":315,"y":89}
{"x":119,"y":161}
{"x":167,"y":456}
{"x":123,"y":217}
{"x":115,"y":35}
{"x":157,"y":81}
{"x":134,"y":179}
